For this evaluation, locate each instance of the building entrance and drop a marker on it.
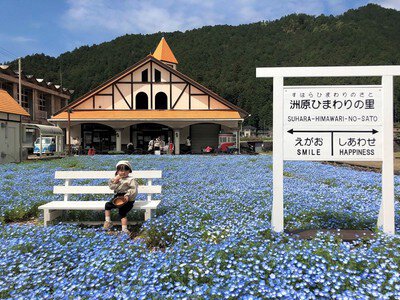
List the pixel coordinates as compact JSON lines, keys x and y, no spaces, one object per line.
{"x":99,"y":136}
{"x":142,"y":134}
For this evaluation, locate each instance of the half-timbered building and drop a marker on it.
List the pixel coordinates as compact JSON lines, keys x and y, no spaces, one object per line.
{"x":149,"y":99}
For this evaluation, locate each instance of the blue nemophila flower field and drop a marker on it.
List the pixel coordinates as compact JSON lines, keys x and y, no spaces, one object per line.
{"x":211,"y":238}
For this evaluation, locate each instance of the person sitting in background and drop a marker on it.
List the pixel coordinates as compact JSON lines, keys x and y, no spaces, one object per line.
{"x":91,"y":150}
{"x":188,"y":142}
{"x":130,"y":148}
{"x":208,"y":149}
{"x":186,"y":148}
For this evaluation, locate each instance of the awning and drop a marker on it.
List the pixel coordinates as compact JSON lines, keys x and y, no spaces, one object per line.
{"x":145,"y":115}
{"x":45,"y":130}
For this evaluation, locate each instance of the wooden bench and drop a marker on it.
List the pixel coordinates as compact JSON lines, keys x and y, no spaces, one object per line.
{"x":54,"y":209}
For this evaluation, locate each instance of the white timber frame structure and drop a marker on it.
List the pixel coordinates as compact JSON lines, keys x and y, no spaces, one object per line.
{"x":386,"y":218}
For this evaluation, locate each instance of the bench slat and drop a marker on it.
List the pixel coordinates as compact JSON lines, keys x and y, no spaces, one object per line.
{"x":74,"y":189}
{"x":104,"y":174}
{"x":94,"y":205}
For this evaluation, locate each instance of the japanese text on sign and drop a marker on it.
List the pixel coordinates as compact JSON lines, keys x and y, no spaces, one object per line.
{"x":332,"y":123}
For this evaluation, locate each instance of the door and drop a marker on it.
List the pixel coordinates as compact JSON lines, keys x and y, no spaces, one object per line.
{"x":203,"y":135}
{"x":10,"y":147}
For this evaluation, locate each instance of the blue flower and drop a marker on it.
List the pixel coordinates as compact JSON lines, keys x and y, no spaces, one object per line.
{"x":214,"y":220}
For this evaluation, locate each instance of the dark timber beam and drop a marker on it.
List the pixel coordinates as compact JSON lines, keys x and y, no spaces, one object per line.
{"x":177,"y":100}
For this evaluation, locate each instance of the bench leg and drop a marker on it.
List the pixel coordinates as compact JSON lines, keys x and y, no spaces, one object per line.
{"x":149,"y":214}
{"x":49,"y":215}
{"x":46,"y":217}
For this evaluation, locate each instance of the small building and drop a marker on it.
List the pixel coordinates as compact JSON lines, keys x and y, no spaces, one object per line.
{"x":248,"y":131}
{"x":39,"y":98}
{"x":147,"y":100}
{"x":11,"y":114}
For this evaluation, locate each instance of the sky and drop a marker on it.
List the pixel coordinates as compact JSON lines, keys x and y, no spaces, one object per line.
{"x":53,"y":27}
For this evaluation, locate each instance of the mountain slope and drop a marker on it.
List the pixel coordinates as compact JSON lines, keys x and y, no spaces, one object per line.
{"x":224,"y":58}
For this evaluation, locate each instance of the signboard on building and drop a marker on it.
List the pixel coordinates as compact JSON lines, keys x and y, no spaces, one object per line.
{"x":332,"y":123}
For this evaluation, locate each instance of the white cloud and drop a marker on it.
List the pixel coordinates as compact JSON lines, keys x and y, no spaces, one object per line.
{"x":136,"y":16}
{"x":22,"y":39}
{"x":390,"y":3}
{"x":16,"y":39}
{"x":336,"y":7}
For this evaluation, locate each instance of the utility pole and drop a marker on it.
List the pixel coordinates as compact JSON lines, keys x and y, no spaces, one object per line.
{"x":61,"y":83}
{"x":69,"y":132}
{"x":21,"y":132}
{"x":239,"y":133}
{"x":19,"y":82}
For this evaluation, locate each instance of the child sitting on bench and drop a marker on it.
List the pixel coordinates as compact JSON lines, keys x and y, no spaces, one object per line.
{"x":122,"y":185}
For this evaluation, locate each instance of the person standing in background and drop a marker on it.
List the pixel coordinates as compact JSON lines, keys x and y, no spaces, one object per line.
{"x":189,"y":144}
{"x":150,"y":148}
{"x":170,"y":146}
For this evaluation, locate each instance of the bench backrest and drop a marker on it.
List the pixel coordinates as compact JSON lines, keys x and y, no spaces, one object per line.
{"x":68,"y":189}
{"x":105,"y":174}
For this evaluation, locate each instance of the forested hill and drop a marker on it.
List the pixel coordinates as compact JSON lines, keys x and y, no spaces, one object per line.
{"x":224,"y":58}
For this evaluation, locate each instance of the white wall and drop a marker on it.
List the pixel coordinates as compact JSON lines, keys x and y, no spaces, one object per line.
{"x":76,"y":132}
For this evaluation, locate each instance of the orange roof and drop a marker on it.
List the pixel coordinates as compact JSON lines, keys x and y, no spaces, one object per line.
{"x":164,"y":53}
{"x":149,"y":115}
{"x":9,"y":105}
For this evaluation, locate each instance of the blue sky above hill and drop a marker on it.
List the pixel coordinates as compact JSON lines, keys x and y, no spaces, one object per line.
{"x":54,"y":27}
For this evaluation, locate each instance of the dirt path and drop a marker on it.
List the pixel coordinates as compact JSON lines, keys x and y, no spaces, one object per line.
{"x":373,"y":165}
{"x":347,"y":235}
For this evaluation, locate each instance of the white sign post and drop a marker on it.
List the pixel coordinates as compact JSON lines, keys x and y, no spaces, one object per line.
{"x":335,"y":123}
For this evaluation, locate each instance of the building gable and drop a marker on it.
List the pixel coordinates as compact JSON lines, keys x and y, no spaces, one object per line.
{"x":151,"y":84}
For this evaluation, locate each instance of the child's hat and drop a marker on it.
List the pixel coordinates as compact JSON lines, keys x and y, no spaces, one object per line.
{"x":126,"y":163}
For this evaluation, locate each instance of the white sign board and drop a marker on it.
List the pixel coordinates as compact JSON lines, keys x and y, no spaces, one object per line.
{"x":332,"y":123}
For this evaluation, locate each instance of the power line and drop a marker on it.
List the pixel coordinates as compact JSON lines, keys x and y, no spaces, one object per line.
{"x":7,"y":53}
{"x":6,"y":56}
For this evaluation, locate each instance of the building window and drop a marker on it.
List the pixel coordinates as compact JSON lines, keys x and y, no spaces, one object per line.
{"x":161,"y":101}
{"x":25,"y":97}
{"x":42,"y":101}
{"x":142,"y":101}
{"x":8,"y":87}
{"x":145,"y":76}
{"x":157,"y":76}
{"x":24,"y":100}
